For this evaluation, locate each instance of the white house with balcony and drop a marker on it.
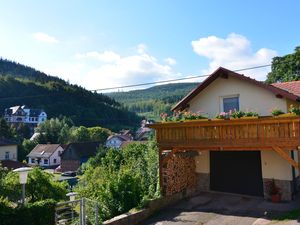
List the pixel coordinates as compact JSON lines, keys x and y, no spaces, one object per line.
{"x":23,"y":114}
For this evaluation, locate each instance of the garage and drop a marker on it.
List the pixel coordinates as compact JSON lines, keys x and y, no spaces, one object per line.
{"x":236,"y":172}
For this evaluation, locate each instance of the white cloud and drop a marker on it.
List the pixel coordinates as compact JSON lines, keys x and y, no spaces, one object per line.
{"x":43,"y":37}
{"x":170,"y":61}
{"x":106,"y":56}
{"x":233,"y":52}
{"x":95,"y":70}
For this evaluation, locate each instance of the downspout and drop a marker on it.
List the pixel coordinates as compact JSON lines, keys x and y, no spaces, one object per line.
{"x":294,"y":176}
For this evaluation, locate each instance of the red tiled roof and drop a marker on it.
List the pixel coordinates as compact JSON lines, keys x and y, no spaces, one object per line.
{"x":291,"y":87}
{"x":222,"y":72}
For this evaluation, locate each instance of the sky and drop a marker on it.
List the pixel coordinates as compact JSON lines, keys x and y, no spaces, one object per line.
{"x":102,"y":44}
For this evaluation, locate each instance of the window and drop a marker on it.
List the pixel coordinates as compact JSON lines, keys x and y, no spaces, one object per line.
{"x":230,"y":103}
{"x":6,"y":155}
{"x":45,"y":161}
{"x":32,"y":161}
{"x":54,"y":160}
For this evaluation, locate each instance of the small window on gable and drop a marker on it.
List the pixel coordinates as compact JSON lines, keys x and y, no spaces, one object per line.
{"x":231,"y":103}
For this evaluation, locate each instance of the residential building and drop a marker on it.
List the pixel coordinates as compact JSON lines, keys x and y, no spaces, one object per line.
{"x":8,"y":150}
{"x":144,"y":132}
{"x":23,"y":114}
{"x":116,"y":140}
{"x":77,"y":153}
{"x":45,"y":155}
{"x":237,"y":156}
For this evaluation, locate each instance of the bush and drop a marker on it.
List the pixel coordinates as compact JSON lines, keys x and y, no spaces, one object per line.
{"x":37,"y":213}
{"x":121,"y":179}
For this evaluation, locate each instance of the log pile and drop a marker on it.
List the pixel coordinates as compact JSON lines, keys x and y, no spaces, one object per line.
{"x":178,"y":174}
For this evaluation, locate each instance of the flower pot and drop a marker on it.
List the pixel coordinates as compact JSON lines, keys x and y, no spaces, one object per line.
{"x":276,"y":198}
{"x":249,"y":117}
{"x":286,"y":115}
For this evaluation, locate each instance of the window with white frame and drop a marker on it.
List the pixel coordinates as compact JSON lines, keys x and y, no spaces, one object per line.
{"x":45,"y":161}
{"x":32,"y":160}
{"x":230,"y":103}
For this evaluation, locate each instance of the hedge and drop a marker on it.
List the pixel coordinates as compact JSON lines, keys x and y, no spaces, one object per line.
{"x":41,"y":212}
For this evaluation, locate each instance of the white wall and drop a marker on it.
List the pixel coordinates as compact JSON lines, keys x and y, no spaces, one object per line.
{"x":13,"y":152}
{"x":56,"y":155}
{"x":202,"y":162}
{"x":251,"y":97}
{"x":274,"y":166}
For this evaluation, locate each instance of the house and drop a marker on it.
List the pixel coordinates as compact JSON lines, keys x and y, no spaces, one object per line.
{"x":116,"y":140}
{"x":77,"y":153}
{"x":23,"y":114}
{"x":8,"y":150}
{"x":45,"y":155}
{"x":238,"y":156}
{"x":144,"y":132}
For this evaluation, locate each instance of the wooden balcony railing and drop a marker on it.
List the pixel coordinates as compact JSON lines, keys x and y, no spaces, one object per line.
{"x":239,"y":134}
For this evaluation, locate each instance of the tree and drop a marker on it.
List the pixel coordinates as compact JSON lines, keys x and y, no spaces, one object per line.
{"x":55,"y":130}
{"x":98,"y":134}
{"x":40,"y":186}
{"x":285,"y":68}
{"x":5,"y":130}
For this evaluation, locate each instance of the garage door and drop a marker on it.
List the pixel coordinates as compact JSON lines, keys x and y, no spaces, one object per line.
{"x":236,"y":172}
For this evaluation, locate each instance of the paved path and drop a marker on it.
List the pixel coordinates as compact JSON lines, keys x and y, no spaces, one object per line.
{"x":222,"y":209}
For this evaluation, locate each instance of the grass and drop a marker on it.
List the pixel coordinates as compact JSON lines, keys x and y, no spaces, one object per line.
{"x":292,"y":215}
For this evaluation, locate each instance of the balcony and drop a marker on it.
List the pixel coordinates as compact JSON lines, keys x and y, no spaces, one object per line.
{"x":240,"y":134}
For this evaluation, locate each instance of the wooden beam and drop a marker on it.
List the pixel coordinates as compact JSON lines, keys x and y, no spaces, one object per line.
{"x":285,"y":156}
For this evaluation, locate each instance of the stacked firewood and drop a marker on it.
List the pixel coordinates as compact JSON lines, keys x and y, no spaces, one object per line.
{"x":178,"y":173}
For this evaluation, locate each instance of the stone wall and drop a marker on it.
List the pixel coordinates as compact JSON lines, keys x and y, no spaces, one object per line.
{"x":178,"y":173}
{"x":285,"y":186}
{"x":203,"y":181}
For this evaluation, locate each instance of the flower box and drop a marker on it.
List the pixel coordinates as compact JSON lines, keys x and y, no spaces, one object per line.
{"x":286,"y":115}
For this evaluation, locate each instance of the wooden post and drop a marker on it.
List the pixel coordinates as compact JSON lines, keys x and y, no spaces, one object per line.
{"x":160,"y":170}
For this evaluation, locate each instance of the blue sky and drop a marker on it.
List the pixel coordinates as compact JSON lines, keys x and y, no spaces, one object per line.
{"x":99,"y":44}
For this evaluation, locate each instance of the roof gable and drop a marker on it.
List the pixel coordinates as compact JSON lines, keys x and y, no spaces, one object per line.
{"x":224,"y":73}
{"x":43,"y":150}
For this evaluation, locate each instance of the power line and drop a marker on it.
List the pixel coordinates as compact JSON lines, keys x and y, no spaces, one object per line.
{"x":172,"y":80}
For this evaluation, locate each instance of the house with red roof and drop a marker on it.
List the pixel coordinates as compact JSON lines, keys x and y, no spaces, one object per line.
{"x":236,"y":156}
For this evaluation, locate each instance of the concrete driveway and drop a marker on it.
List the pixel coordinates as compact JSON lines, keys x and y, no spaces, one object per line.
{"x":222,"y":209}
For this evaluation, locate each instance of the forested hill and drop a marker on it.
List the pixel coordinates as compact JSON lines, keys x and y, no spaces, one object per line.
{"x":152,"y":101}
{"x":20,"y":85}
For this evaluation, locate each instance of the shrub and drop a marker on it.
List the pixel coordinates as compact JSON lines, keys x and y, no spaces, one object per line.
{"x":37,"y":213}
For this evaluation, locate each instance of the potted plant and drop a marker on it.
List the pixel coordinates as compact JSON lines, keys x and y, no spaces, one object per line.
{"x":221,"y":116}
{"x":274,"y":191}
{"x":251,"y":115}
{"x":187,"y":116}
{"x":236,"y":114}
{"x":277,"y":112}
{"x":294,"y":110}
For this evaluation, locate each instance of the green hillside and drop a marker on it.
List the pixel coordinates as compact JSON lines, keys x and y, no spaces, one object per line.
{"x":152,"y":101}
{"x":20,"y":85}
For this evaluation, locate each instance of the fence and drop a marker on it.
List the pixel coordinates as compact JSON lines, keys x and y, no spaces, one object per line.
{"x":77,"y":212}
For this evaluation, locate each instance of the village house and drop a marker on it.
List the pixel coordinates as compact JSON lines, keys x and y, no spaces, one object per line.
{"x":23,"y":114}
{"x":238,"y":156}
{"x":45,"y":155}
{"x":77,"y":153}
{"x":116,"y":140}
{"x":8,"y":150}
